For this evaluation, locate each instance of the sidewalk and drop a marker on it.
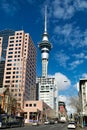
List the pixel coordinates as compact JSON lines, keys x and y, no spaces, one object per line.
{"x":79,"y":128}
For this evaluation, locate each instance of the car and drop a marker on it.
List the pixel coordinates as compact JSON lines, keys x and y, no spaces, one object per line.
{"x":56,"y":122}
{"x":46,"y":122}
{"x":71,"y":125}
{"x":35,"y":123}
{"x":52,"y":122}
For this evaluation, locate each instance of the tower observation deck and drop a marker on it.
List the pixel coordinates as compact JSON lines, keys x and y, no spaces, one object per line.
{"x":45,"y":46}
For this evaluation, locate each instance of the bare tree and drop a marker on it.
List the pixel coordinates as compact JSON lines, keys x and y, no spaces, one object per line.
{"x":75,"y":103}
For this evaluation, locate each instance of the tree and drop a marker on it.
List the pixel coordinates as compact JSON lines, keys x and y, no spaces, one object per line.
{"x":75,"y":103}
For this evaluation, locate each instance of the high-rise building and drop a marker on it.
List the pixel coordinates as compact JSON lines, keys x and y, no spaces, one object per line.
{"x":20,"y":67}
{"x":83,"y":101}
{"x":4,"y":36}
{"x":46,"y":90}
{"x":2,"y":65}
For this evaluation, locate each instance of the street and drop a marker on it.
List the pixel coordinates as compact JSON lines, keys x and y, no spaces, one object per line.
{"x":45,"y":127}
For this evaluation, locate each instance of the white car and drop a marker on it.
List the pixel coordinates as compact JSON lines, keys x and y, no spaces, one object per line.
{"x":46,"y":122}
{"x":71,"y":125}
{"x":35,"y":124}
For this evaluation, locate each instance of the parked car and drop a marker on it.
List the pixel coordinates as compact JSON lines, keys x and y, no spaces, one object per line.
{"x":63,"y":119}
{"x":7,"y":121}
{"x":46,"y":122}
{"x":35,"y":123}
{"x":71,"y":125}
{"x":52,"y":122}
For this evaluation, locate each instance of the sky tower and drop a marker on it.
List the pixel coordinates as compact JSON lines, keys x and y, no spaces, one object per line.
{"x":45,"y":46}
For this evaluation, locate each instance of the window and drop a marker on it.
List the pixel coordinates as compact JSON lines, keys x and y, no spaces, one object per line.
{"x":9,"y":60}
{"x":30,"y":105}
{"x":26,"y":105}
{"x":11,"y":37}
{"x":8,"y":72}
{"x":9,"y":64}
{"x":11,"y":41}
{"x":47,"y":87}
{"x":42,"y":87}
{"x":9,"y":56}
{"x":8,"y":68}
{"x":19,"y":94}
{"x":10,"y":52}
{"x":12,"y":90}
{"x":10,"y":48}
{"x":34,"y":104}
{"x":8,"y":81}
{"x":7,"y":77}
{"x":11,"y":45}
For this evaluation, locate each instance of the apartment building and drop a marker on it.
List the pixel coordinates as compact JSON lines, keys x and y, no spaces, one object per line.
{"x":83,"y":100}
{"x":20,"y":67}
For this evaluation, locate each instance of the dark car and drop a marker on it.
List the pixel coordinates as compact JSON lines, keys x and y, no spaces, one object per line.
{"x":7,"y":121}
{"x":52,"y":122}
{"x":20,"y":120}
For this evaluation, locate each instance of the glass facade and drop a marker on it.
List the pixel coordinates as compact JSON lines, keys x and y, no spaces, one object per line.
{"x":5,"y":34}
{"x":2,"y":64}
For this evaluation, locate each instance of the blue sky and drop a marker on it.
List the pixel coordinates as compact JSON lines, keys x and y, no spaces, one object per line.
{"x":67,"y":29}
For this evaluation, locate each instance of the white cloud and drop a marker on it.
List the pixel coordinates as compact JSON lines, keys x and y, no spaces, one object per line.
{"x":65,"y":30}
{"x":79,"y":4}
{"x":72,"y":38}
{"x":77,"y":86}
{"x":80,"y":55}
{"x":62,"y":81}
{"x":63,"y":98}
{"x":63,"y":9}
{"x":71,"y":34}
{"x":74,"y":64}
{"x":9,"y":7}
{"x":84,"y":75}
{"x":66,"y":9}
{"x":61,"y":58}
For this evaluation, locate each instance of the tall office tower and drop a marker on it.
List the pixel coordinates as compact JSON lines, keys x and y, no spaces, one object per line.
{"x":4,"y":35}
{"x":20,"y":67}
{"x":45,"y":47}
{"x":47,"y":90}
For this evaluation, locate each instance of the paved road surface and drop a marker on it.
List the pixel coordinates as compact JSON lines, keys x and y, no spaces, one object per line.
{"x":46,"y":127}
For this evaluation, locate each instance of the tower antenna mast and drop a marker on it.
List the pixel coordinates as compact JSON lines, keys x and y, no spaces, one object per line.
{"x":45,"y":19}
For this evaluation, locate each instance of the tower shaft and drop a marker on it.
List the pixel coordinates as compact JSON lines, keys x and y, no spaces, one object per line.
{"x":45,"y":47}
